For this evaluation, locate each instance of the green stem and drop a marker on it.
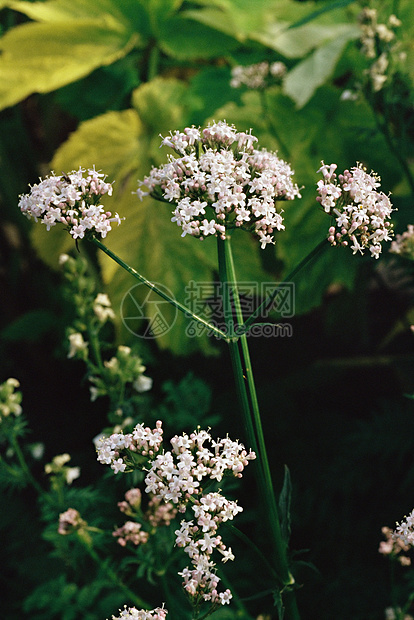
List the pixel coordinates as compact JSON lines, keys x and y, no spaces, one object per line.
{"x":248,"y":398}
{"x":271,"y":126}
{"x":254,"y":547}
{"x":95,"y":348}
{"x":267,"y":303}
{"x":136,"y":600}
{"x":25,"y":468}
{"x":188,"y":313}
{"x":382,"y":125}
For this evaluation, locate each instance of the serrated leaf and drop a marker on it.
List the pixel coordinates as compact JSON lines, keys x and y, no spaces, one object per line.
{"x":302,"y":81}
{"x":41,"y":57}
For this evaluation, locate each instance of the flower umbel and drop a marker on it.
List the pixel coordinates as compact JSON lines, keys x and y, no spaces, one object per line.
{"x":219,"y":182}
{"x":131,"y":613}
{"x":361,"y":212}
{"x":73,"y":200}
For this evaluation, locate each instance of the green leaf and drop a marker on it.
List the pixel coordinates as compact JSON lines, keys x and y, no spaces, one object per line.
{"x":297,"y":42}
{"x":29,"y":327}
{"x":41,"y":57}
{"x":186,"y":39}
{"x":128,"y":12}
{"x":163,"y":104}
{"x":302,"y":81}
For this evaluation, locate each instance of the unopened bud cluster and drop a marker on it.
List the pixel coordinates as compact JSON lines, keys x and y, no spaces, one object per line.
{"x":219,"y":182}
{"x":157,"y":514}
{"x":72,"y":200}
{"x":394,"y":546}
{"x":257,"y":76}
{"x":10,"y":399}
{"x":377,"y":43}
{"x":404,"y":244}
{"x":361,"y":213}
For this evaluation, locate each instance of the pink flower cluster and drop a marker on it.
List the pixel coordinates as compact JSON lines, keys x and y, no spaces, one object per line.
{"x":73,"y":200}
{"x":131,"y":532}
{"x":220,"y":182}
{"x":404,"y":243}
{"x":360,"y":211}
{"x":175,"y":478}
{"x":199,"y":538}
{"x":394,"y":546}
{"x":69,"y":521}
{"x":158,"y":513}
{"x":132,"y":613}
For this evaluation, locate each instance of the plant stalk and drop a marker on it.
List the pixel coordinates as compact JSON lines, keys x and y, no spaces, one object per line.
{"x":246,"y":390}
{"x":186,"y":311}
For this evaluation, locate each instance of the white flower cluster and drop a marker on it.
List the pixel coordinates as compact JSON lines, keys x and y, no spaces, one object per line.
{"x":404,"y":243}
{"x":10,"y":399}
{"x":176,"y":477}
{"x":405,"y":530}
{"x":117,"y":449}
{"x":73,"y":200}
{"x":199,"y":539}
{"x":258,"y":75}
{"x":131,"y":613}
{"x":220,"y":182}
{"x":360,"y":211}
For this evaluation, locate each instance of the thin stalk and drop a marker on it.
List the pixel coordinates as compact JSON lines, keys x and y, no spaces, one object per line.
{"x":265,"y":480}
{"x":188,"y":313}
{"x":25,"y":468}
{"x":382,"y":125}
{"x":267,"y":303}
{"x":136,"y":600}
{"x":254,"y":548}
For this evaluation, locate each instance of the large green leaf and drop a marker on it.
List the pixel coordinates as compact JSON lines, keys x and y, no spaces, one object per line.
{"x":186,"y":39}
{"x":303,"y":80}
{"x":297,"y":42}
{"x":41,"y":57}
{"x":127,"y":12}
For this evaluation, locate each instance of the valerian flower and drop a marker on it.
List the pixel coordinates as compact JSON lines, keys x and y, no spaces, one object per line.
{"x":71,"y":199}
{"x":132,"y":613}
{"x":176,"y":478}
{"x":220,"y":182}
{"x":360,"y":212}
{"x":404,"y":243}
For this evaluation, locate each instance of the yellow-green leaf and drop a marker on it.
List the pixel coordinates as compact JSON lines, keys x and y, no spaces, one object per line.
{"x":39,"y":57}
